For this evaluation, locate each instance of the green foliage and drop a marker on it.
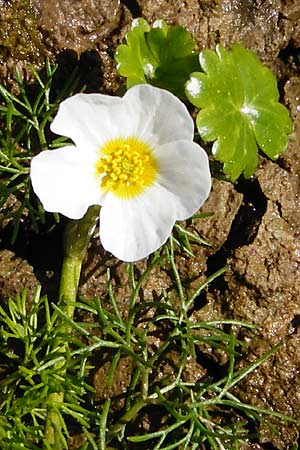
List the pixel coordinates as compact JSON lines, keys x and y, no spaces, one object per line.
{"x":24,"y":122}
{"x":190,"y":414}
{"x":30,"y":349}
{"x":162,"y":56}
{"x":238,"y":98}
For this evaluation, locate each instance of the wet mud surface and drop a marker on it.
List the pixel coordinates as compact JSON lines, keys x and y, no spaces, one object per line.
{"x":255,"y":228}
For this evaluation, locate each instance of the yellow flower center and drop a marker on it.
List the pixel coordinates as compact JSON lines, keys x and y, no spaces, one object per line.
{"x":127,"y":167}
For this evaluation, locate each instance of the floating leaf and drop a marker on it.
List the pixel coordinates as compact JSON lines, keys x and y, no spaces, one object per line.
{"x":162,"y":56}
{"x":238,"y":98}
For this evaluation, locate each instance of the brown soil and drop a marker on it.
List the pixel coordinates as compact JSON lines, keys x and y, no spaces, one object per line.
{"x":256,"y":225}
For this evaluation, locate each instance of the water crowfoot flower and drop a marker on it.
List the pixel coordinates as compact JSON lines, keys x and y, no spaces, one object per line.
{"x":134,"y":156}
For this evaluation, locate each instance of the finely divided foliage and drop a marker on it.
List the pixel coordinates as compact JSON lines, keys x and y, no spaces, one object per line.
{"x":194,"y":415}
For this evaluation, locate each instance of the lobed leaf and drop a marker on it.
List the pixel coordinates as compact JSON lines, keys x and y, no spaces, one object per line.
{"x":239,"y":109}
{"x":162,"y":56}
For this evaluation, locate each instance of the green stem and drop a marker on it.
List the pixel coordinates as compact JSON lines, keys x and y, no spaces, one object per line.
{"x":76,"y":240}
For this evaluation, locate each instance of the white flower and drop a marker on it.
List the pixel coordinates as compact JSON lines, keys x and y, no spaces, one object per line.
{"x":135,"y":156}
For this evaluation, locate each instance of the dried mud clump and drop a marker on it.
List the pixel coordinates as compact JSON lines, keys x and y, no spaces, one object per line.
{"x":85,"y":26}
{"x":290,"y":160}
{"x":20,"y":41}
{"x":77,"y":26}
{"x":224,"y":201}
{"x":15,"y":276}
{"x":118,"y":388}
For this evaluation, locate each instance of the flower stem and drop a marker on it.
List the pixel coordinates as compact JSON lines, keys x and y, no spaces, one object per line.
{"x":76,"y":240}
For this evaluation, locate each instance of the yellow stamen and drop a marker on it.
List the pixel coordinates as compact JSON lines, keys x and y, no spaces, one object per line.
{"x":126,"y":167}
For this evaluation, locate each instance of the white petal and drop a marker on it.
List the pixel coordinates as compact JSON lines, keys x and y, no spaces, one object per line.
{"x":64,"y":181}
{"x":184,"y":171}
{"x":132,"y":229}
{"x":91,"y":119}
{"x":153,"y":114}
{"x":158,"y":116}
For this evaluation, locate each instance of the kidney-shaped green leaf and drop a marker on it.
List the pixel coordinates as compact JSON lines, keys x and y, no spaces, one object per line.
{"x":239,"y":109}
{"x":162,"y":56}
